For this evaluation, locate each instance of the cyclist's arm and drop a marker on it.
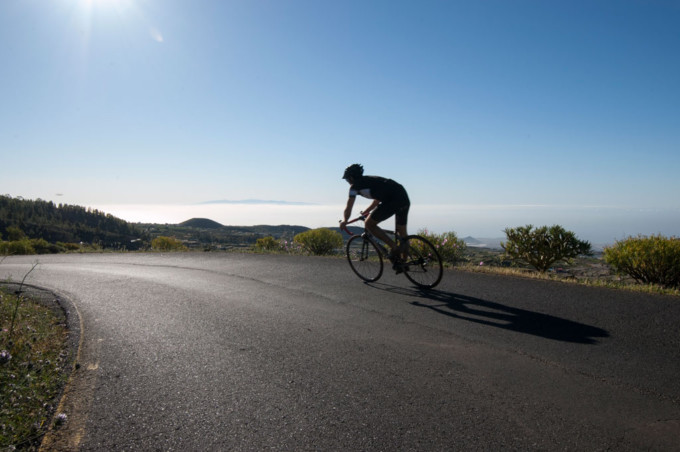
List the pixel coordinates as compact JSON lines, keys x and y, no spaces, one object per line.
{"x":370,"y":208}
{"x":348,"y":210}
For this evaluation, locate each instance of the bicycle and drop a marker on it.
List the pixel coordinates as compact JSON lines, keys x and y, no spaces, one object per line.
{"x":420,"y":263}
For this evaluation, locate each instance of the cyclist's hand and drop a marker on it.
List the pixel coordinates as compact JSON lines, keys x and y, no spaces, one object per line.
{"x":343,"y":224}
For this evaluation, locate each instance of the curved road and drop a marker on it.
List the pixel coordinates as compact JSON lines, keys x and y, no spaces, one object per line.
{"x":247,"y":352}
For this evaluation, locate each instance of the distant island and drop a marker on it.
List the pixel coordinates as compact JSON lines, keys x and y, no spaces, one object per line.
{"x":258,"y":201}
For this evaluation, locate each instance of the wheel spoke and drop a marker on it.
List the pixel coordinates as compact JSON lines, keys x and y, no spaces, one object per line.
{"x":424,"y":265}
{"x":364,"y":258}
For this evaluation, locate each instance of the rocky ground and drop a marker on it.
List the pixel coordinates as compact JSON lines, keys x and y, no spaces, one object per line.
{"x":590,"y":268}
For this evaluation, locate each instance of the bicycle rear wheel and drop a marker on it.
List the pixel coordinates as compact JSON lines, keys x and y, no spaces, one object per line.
{"x":423,"y":266}
{"x":364,"y":258}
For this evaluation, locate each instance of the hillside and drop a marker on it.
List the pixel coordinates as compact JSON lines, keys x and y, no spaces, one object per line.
{"x":201,"y":223}
{"x":66,"y":223}
{"x":209,"y":234}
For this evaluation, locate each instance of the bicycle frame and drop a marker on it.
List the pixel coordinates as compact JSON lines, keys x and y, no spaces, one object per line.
{"x":369,"y":235}
{"x":419,"y":261}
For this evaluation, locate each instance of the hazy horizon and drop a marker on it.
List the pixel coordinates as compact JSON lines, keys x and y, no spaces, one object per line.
{"x":587,"y":222}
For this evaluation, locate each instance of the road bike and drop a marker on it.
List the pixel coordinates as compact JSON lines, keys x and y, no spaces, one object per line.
{"x":419,"y":260}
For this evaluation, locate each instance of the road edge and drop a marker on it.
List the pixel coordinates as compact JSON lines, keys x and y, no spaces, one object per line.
{"x":74,"y":341}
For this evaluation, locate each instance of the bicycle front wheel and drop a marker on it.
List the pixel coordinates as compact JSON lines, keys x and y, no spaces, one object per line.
{"x":423,"y":266}
{"x":364,"y":258}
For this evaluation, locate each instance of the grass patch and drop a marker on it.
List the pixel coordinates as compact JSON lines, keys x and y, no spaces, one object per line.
{"x":33,"y":362}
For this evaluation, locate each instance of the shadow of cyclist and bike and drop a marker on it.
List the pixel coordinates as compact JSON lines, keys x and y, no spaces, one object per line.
{"x":498,"y":315}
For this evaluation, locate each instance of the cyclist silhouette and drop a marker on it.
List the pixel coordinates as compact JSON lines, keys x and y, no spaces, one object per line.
{"x":389,"y":198}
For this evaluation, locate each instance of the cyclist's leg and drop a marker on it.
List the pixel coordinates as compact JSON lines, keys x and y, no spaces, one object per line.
{"x":401,"y":221}
{"x":373,"y":228}
{"x":399,"y":206}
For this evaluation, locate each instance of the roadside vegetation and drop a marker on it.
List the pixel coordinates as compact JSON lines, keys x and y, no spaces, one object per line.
{"x":648,"y":260}
{"x":545,"y":253}
{"x":544,"y":246}
{"x":319,"y":242}
{"x":163,"y":243}
{"x":33,"y":358}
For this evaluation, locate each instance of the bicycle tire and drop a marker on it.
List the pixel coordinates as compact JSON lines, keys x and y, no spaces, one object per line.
{"x":364,"y":258}
{"x":423,"y":266}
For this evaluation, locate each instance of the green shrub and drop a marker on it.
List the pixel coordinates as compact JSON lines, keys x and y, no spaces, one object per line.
{"x":41,"y":246}
{"x":163,"y":243}
{"x":319,"y":242}
{"x":449,"y":246}
{"x":15,"y":234}
{"x":267,"y":244}
{"x":16,"y":247}
{"x":651,"y":260}
{"x":542,"y":247}
{"x":69,"y":246}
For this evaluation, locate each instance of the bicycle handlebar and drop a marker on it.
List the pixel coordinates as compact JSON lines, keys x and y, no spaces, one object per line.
{"x":361,"y":217}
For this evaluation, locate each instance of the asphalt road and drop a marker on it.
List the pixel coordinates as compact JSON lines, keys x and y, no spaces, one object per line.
{"x":247,"y":352}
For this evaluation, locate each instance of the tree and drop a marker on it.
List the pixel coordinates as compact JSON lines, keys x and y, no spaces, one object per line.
{"x":64,"y":223}
{"x":542,"y":247}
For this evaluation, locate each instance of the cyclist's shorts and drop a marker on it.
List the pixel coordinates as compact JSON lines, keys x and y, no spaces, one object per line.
{"x":399,"y":206}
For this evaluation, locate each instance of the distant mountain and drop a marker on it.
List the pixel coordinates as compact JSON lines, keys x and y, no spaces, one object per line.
{"x":201,"y":223}
{"x":471,"y":241}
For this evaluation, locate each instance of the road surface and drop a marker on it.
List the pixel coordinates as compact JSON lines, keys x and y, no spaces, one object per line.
{"x":215,"y":351}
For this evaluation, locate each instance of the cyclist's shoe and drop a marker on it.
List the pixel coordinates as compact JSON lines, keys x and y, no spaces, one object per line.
{"x":398,"y":253}
{"x":394,"y":255}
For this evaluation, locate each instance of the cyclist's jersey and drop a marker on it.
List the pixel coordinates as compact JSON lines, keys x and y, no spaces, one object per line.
{"x":376,"y":187}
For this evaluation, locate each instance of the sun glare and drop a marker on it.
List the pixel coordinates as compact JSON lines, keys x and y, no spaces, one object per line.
{"x":116,"y":4}
{"x":103,"y":2}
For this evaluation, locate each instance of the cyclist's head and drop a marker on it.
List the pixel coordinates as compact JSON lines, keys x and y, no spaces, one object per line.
{"x":354,"y":172}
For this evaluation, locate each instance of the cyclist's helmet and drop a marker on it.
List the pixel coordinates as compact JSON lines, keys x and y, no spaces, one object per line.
{"x":354,"y":171}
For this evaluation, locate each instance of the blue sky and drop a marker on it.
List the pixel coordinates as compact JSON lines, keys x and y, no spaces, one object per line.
{"x":493,"y":114}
